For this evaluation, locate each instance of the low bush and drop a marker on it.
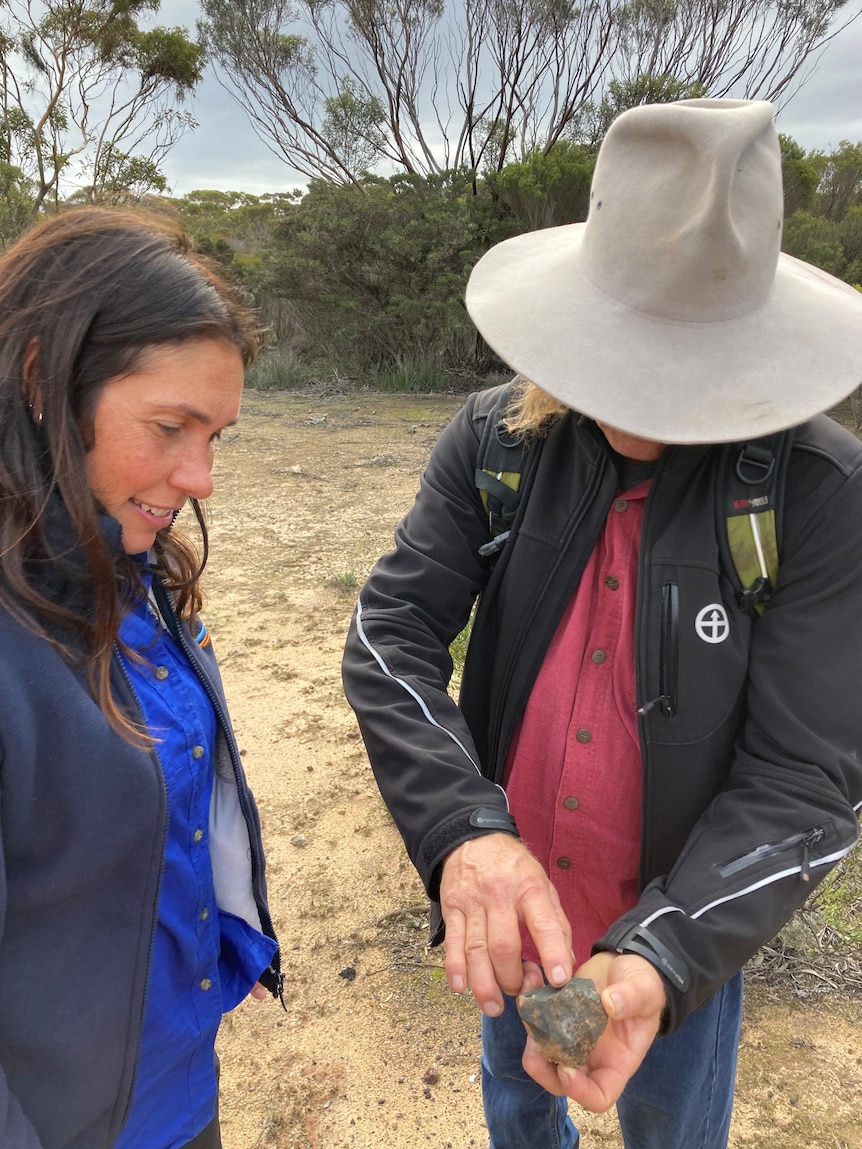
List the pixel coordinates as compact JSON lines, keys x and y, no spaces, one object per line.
{"x":278,"y":369}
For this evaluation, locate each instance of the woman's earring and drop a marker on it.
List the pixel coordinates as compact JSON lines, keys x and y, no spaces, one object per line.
{"x":37,"y":419}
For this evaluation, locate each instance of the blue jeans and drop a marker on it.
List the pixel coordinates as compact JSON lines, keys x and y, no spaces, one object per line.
{"x":680,"y":1098}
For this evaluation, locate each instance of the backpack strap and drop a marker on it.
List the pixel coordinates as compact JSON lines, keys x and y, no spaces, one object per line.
{"x":499,"y":464}
{"x":753,"y":496}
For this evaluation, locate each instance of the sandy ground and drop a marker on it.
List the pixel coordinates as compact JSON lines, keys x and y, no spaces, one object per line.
{"x":373,"y":1050}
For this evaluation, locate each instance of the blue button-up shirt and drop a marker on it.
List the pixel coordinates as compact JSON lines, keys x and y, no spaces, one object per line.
{"x":203,"y":962}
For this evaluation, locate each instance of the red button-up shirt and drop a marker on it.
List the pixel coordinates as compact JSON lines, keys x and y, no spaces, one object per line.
{"x":574,"y":772}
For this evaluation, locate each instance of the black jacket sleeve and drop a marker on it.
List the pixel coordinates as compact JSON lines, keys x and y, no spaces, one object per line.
{"x":397,"y":665}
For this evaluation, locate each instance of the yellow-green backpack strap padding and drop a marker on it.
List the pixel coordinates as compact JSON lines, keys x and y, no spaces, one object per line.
{"x":754,"y":549}
{"x":499,"y":463}
{"x":510,"y":479}
{"x":752,"y":494}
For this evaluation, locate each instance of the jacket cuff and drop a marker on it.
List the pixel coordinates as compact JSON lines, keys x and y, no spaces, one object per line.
{"x":443,"y":839}
{"x":674,"y":971}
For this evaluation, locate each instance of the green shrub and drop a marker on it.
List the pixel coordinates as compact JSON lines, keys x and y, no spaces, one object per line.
{"x":458,"y":653}
{"x":278,"y":369}
{"x":413,"y":375}
{"x":345,"y":581}
{"x":840,"y":898}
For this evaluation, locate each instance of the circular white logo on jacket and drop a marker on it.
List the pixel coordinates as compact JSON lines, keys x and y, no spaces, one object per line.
{"x":712,"y":624}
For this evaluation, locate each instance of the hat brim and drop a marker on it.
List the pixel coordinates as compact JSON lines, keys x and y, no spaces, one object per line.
{"x":671,"y":381}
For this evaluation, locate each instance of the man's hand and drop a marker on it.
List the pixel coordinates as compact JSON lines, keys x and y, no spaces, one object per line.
{"x":489,"y":886}
{"x":633,"y":995}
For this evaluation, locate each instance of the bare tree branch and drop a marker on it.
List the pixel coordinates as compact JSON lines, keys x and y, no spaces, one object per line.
{"x":484,"y":82}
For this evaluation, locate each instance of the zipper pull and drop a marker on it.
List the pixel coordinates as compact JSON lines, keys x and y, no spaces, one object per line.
{"x":663,"y":702}
{"x":804,"y":872}
{"x":493,"y":548}
{"x":279,"y":989}
{"x":809,"y":840}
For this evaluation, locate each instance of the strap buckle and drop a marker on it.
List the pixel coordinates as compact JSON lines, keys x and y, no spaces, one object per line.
{"x":754,"y":464}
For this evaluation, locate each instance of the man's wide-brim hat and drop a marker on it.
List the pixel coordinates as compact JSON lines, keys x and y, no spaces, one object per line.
{"x":671,"y":313}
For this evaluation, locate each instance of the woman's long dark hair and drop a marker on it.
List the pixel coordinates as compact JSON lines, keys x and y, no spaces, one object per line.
{"x":82,"y":297}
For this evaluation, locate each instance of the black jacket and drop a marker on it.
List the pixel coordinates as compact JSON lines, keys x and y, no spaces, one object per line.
{"x":750,"y":777}
{"x":82,"y":826}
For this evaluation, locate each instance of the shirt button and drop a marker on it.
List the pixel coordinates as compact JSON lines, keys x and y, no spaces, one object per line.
{"x":598,"y":656}
{"x":571,"y":803}
{"x":204,"y":914}
{"x":198,"y":835}
{"x":206,"y":984}
{"x":612,"y":582}
{"x":564,"y":863}
{"x":583,"y":735}
{"x":198,"y":752}
{"x":621,"y":505}
{"x":162,"y":673}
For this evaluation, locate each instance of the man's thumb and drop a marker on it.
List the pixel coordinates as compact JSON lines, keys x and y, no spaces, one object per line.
{"x":615,"y":1005}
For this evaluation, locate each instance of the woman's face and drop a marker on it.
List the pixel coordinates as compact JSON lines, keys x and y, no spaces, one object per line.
{"x":154,"y":432}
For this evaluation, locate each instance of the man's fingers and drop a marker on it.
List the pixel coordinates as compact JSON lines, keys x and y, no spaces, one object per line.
{"x":456,"y":958}
{"x":482,"y":974}
{"x":468,"y":961}
{"x":489,"y":886}
{"x":593,"y":1092}
{"x":596,"y":1092}
{"x":533,"y":977}
{"x":504,"y":945}
{"x":542,"y":1070}
{"x":637,"y":990}
{"x":550,"y":930}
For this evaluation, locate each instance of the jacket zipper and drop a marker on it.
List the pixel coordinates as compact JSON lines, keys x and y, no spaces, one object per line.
{"x":669,"y":649}
{"x":806,"y":839}
{"x":641,"y":670}
{"x":668,"y":658}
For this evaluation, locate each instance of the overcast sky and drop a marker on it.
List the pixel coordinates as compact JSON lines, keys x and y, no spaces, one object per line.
{"x":225,"y":154}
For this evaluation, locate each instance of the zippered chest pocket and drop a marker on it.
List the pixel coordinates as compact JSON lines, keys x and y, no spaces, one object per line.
{"x":699,"y":660}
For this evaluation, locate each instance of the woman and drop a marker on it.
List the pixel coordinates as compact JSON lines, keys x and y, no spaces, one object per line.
{"x":132,"y":896}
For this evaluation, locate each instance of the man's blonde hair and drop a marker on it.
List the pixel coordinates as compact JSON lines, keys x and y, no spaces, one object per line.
{"x":532,"y":412}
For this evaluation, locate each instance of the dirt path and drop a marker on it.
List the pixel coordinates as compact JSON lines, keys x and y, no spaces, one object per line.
{"x":374,"y":1052}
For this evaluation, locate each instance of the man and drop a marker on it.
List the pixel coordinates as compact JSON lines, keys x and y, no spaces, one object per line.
{"x":643,"y":778}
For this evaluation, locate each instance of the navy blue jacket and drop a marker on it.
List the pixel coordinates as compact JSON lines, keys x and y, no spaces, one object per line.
{"x":82,"y":829}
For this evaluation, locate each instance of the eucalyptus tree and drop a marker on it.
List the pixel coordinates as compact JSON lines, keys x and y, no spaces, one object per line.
{"x":340,"y":86}
{"x":840,"y":185}
{"x":336,"y":87}
{"x":759,"y":49}
{"x":92,"y":99}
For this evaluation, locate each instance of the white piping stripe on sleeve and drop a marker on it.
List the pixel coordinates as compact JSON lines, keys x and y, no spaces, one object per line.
{"x":660,"y":914}
{"x":748,"y":889}
{"x":366,"y":642}
{"x":774,"y":878}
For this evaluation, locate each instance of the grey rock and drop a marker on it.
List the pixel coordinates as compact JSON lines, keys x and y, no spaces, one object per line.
{"x":565,"y":1023}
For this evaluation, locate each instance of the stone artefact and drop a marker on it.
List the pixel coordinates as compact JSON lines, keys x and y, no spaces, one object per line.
{"x":565,"y":1023}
